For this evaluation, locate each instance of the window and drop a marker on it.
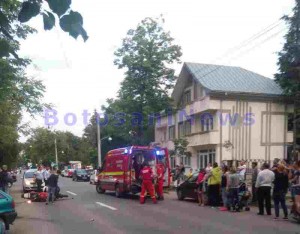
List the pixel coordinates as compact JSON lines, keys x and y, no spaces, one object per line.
{"x":207,"y":123}
{"x":187,"y":98}
{"x":186,"y":160}
{"x":184,"y":128}
{"x":181,"y":129}
{"x":171,"y":132}
{"x":290,"y":122}
{"x":173,"y":161}
{"x":187,"y":127}
{"x":204,"y":157}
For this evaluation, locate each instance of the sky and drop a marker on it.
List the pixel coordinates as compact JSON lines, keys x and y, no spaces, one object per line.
{"x":79,"y":76}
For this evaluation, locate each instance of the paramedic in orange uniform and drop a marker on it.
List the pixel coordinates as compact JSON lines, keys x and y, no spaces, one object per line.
{"x":147,"y":177}
{"x":160,"y":182}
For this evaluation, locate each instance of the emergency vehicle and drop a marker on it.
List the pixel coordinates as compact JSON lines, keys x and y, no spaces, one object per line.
{"x":121,"y":168}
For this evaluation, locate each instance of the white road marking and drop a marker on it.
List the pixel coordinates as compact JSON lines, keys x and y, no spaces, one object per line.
{"x":109,"y":207}
{"x":74,"y":194}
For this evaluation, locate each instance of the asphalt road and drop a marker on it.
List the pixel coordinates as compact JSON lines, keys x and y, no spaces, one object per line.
{"x":89,"y":212}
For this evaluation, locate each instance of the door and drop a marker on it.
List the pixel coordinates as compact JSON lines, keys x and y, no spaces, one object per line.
{"x":192,"y":186}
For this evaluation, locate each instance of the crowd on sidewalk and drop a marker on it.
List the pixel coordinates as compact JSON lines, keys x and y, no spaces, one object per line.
{"x":225,"y":187}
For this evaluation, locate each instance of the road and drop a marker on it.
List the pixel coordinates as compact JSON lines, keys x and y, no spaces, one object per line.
{"x":89,"y":212}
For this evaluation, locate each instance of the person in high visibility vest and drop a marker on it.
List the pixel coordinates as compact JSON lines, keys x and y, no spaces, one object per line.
{"x":147,"y":185}
{"x":160,"y":182}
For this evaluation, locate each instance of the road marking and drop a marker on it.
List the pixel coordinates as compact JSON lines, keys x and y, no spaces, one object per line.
{"x":74,"y":194}
{"x":109,"y":207}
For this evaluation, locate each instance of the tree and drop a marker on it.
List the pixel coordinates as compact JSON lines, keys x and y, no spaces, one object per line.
{"x":146,"y":53}
{"x":288,"y":76}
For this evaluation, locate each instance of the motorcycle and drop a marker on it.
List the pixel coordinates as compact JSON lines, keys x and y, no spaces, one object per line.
{"x":42,"y":196}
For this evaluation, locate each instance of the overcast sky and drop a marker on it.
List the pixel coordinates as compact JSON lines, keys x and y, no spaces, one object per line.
{"x":80,"y":76}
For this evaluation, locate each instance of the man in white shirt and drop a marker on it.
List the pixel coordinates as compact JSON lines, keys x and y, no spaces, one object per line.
{"x":39,"y":179}
{"x":263,"y":184}
{"x":46,"y":175}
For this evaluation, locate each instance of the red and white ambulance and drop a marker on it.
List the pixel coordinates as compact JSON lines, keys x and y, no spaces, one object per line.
{"x":121,"y":168}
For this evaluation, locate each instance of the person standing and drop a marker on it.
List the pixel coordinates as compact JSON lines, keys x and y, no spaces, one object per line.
{"x":46,"y":175}
{"x":208,"y":168}
{"x":281,"y":184}
{"x":147,"y":185}
{"x":4,"y":179}
{"x":160,"y":182}
{"x":200,"y":182}
{"x":233,"y":190}
{"x":242,"y":170}
{"x":254,"y":177}
{"x":224,"y":192}
{"x":190,"y":173}
{"x":52,"y":182}
{"x":39,"y":178}
{"x":263,"y":184}
{"x":214,"y":183}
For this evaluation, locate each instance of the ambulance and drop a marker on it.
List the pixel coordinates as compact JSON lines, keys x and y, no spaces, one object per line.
{"x":121,"y":168}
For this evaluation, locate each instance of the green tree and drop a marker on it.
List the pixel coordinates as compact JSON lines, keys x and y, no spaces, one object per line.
{"x":288,"y":76}
{"x":146,"y":54}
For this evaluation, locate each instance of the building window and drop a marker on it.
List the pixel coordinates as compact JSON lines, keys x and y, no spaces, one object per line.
{"x":187,"y":97}
{"x":171,"y":132}
{"x":290,"y":122}
{"x":187,"y":127}
{"x":207,"y":123}
{"x":204,"y":157}
{"x":181,"y":129}
{"x":186,"y":160}
{"x":173,"y":161}
{"x":184,"y":128}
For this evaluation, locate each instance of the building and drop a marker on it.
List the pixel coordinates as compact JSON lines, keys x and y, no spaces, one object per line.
{"x":227,"y":114}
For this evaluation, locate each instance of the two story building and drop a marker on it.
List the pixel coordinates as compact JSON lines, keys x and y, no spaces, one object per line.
{"x":227,"y":114}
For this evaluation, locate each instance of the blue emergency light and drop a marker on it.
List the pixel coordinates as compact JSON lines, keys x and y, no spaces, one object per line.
{"x":160,"y":152}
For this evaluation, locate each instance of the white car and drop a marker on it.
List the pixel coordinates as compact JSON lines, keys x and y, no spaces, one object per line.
{"x":94,"y":178}
{"x":65,"y":173}
{"x":28,"y":181}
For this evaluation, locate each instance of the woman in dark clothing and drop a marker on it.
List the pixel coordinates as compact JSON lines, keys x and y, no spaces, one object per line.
{"x":281,"y":184}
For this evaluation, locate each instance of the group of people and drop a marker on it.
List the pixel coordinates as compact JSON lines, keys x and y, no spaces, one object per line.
{"x":218,"y":185}
{"x":50,"y":178}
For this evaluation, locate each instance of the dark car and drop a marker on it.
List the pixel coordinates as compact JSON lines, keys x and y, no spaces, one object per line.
{"x":7,"y":211}
{"x":80,"y":174}
{"x":188,"y":188}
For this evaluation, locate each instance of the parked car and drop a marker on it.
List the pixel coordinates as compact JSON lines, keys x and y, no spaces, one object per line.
{"x":80,"y":174}
{"x":7,"y":211}
{"x":29,"y":183}
{"x":70,"y":173}
{"x":62,"y":173}
{"x":94,"y":178}
{"x":89,"y":171}
{"x":65,"y":173}
{"x":188,"y":188}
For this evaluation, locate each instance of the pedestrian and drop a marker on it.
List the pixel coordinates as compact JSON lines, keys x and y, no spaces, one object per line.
{"x":275,"y":164}
{"x":200,"y":184}
{"x":281,"y":184}
{"x":46,"y":175}
{"x":214,"y":183}
{"x":208,"y":168}
{"x":263,"y":184}
{"x":182,"y":171}
{"x":233,"y":190}
{"x":147,"y":185}
{"x":224,"y":192}
{"x":39,"y":178}
{"x":242,"y":170}
{"x":160,"y":182}
{"x":52,"y":183}
{"x":255,"y":172}
{"x":4,"y":179}
{"x":190,"y":173}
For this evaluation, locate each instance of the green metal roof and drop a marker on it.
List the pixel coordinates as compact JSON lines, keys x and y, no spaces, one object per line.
{"x":232,"y":79}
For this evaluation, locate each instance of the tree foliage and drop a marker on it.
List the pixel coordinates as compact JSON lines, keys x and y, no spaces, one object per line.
{"x":288,"y":76}
{"x":146,"y":54}
{"x":40,"y":147}
{"x":70,"y":21}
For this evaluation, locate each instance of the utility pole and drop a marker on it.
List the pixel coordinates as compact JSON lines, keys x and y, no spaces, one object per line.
{"x":99,"y":141}
{"x":56,"y":158}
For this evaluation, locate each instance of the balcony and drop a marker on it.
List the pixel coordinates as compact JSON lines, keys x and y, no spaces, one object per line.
{"x":204,"y":138}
